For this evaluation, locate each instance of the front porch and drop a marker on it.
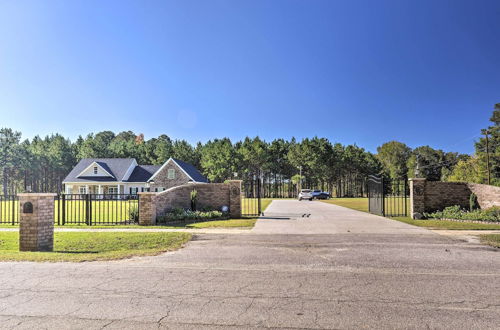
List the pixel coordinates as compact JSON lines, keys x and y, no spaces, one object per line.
{"x":98,"y":189}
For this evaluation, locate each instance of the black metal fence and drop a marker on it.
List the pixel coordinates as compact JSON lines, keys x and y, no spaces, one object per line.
{"x":390,"y":198}
{"x":9,"y":209}
{"x":96,"y":209}
{"x":81,"y":209}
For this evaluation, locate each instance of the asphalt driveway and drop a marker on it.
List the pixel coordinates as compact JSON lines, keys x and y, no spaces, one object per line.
{"x":351,"y":271}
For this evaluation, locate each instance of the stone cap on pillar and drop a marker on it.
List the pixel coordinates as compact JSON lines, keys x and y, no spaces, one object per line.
{"x":417,"y":179}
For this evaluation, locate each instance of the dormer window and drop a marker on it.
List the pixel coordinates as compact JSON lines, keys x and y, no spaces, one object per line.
{"x":171,"y":173}
{"x":95,"y":169}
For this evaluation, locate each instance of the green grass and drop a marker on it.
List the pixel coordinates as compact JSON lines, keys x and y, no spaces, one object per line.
{"x":361,"y":204}
{"x":448,"y":225}
{"x":92,"y":246}
{"x":250,"y":205}
{"x":232,"y":223}
{"x":492,"y":239}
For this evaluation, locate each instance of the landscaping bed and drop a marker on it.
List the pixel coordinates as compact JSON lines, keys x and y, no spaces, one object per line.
{"x":93,"y":246}
{"x":455,"y":213}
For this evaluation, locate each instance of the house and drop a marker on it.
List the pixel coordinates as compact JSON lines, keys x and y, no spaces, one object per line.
{"x":124,"y":176}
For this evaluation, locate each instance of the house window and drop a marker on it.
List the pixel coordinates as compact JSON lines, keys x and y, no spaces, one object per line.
{"x":112,"y":190}
{"x":95,"y":169}
{"x":134,"y":190}
{"x":82,"y":190}
{"x":171,"y":173}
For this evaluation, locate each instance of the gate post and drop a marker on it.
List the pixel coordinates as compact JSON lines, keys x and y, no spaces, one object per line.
{"x":36,"y":222}
{"x":417,"y":197}
{"x":235,"y":198}
{"x":147,"y":208}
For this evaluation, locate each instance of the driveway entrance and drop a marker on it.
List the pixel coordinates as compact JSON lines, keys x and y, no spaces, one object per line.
{"x":294,"y":217}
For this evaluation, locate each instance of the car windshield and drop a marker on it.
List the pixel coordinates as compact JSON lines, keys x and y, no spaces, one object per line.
{"x":305,"y":191}
{"x":317,"y":191}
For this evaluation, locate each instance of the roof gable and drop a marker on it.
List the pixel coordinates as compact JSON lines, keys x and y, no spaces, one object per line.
{"x":116,"y":167}
{"x":187,"y":168}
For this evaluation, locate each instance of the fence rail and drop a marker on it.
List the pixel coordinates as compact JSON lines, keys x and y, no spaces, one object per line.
{"x":9,"y":209}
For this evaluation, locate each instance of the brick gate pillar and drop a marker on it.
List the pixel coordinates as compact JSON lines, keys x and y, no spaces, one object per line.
{"x":417,"y":197}
{"x":147,"y":209}
{"x":36,"y":222}
{"x":235,"y":198}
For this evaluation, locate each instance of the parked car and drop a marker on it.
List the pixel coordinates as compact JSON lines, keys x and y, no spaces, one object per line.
{"x":305,"y":194}
{"x":318,"y":194}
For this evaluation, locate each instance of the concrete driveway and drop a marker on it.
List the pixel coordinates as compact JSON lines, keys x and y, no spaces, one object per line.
{"x":353,"y":275}
{"x":313,"y":217}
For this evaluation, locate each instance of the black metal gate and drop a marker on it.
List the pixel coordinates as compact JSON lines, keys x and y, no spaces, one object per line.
{"x":251,"y":202}
{"x":375,"y":195}
{"x":388,"y":198}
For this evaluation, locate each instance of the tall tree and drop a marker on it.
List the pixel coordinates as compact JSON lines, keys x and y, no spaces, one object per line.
{"x":394,"y":157}
{"x":9,"y":151}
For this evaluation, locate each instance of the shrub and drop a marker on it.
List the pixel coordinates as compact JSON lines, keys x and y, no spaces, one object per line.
{"x":189,"y":215}
{"x":454,"y":212}
{"x":473,"y":204}
{"x":133,"y":213}
{"x":194,"y":199}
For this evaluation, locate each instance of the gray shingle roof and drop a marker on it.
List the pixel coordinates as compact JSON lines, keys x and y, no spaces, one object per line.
{"x":142,"y":173}
{"x":117,"y":167}
{"x":191,"y":171}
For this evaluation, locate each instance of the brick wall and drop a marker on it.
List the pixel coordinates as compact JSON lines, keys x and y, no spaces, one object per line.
{"x":36,"y":223}
{"x":213,"y":195}
{"x":161,"y":180}
{"x":430,"y":196}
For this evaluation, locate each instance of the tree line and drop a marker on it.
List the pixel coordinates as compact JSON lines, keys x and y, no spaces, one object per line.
{"x":40,"y":164}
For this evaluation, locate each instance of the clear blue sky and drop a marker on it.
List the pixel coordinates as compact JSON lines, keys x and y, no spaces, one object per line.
{"x":364,"y":72}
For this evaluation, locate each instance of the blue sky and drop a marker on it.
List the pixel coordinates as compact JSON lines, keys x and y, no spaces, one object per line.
{"x":365,"y":72}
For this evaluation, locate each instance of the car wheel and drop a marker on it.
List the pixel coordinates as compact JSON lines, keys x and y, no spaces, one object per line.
{"x":310,"y":199}
{"x":300,"y":199}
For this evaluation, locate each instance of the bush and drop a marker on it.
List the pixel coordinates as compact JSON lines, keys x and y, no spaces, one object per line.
{"x":179,"y":214}
{"x":473,"y":204}
{"x":133,"y":213}
{"x":455,"y":212}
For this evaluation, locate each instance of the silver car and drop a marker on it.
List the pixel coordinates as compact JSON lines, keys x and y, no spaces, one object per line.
{"x":305,"y":194}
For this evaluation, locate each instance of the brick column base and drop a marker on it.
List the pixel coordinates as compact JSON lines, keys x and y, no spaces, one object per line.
{"x":235,"y":198}
{"x":36,"y":222}
{"x":147,"y":209}
{"x":417,"y":197}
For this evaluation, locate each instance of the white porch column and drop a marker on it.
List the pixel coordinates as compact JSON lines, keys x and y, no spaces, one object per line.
{"x":99,"y":189}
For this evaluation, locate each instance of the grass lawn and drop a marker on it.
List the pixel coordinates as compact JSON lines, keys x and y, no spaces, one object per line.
{"x":361,"y":204}
{"x":449,"y":225}
{"x":493,"y":240}
{"x":231,"y":223}
{"x":92,"y":246}
{"x":250,"y":205}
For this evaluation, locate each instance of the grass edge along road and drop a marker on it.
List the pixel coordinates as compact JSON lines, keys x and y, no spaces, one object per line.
{"x":94,"y":246}
{"x":361,"y":204}
{"x":491,"y":239}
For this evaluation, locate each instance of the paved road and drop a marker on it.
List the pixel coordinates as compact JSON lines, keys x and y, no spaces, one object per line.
{"x":354,"y":275}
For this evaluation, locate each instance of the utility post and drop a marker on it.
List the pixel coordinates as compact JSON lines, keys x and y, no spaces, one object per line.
{"x":486,"y":133}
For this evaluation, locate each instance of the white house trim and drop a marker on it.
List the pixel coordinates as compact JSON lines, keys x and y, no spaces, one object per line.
{"x":161,"y":168}
{"x":92,"y":165}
